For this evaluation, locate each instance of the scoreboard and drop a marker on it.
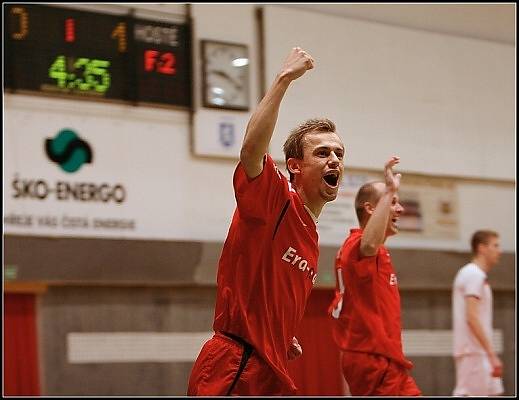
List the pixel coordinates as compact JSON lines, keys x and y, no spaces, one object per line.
{"x":73,"y":53}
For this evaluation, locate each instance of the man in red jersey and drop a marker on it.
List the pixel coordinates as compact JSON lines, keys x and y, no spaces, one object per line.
{"x":269,"y":260}
{"x":366,"y":308}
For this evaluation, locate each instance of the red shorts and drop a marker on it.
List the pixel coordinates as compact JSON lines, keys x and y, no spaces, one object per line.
{"x":375,"y":375}
{"x":223,"y":368}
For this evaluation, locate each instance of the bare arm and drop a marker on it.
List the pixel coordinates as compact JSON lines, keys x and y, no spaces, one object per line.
{"x":262,"y":123}
{"x":472,"y":306}
{"x":375,"y":230}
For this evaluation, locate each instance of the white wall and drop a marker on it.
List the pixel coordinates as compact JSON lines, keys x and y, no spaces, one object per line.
{"x":193,"y":197}
{"x":445,"y":104}
{"x":488,"y":206}
{"x":226,"y":23}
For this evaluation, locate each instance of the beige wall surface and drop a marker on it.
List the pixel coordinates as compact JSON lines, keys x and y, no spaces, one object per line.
{"x":445,"y":104}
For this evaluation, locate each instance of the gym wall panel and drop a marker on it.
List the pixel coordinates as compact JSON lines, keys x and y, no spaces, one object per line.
{"x":94,"y":309}
{"x":83,"y":309}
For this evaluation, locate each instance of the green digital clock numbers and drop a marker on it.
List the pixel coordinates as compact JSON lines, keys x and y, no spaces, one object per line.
{"x":92,"y":55}
{"x":83,"y":74}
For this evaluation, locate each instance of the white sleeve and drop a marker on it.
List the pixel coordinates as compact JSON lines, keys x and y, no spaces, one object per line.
{"x":474,"y":285}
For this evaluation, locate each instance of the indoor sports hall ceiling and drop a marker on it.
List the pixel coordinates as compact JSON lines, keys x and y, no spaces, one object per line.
{"x":478,"y":20}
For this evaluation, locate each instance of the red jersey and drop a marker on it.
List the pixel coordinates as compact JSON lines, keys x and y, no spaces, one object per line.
{"x":367,"y":302}
{"x":268,"y":266}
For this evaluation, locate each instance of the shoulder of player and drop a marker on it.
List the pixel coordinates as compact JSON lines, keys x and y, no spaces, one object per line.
{"x":469,"y":272}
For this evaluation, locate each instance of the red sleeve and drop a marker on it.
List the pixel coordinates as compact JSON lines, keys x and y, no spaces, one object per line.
{"x":258,"y":197}
{"x":363,"y":267}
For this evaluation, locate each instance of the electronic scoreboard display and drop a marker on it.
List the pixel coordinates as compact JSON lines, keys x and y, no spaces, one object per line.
{"x":75,"y":53}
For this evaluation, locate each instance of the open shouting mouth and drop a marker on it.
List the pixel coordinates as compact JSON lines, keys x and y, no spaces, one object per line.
{"x":331,"y":178}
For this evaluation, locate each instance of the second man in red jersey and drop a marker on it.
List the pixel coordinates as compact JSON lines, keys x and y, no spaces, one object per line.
{"x":366,"y":308}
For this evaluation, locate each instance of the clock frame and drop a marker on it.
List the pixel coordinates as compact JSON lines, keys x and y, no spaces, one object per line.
{"x":225,"y":75}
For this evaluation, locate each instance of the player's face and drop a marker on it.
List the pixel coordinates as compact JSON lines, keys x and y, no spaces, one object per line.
{"x":322,"y":166}
{"x":394,"y":215}
{"x":491,"y":251}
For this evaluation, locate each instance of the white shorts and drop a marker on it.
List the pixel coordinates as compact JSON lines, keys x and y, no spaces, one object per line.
{"x":474,"y":377}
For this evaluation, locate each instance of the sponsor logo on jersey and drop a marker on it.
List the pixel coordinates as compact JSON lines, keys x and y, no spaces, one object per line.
{"x":300,"y":263}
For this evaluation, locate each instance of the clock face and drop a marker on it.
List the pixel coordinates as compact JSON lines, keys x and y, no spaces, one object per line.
{"x":226,"y":75}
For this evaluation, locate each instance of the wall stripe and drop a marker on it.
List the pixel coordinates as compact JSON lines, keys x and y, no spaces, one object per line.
{"x":112,"y":347}
{"x":125,"y":347}
{"x":424,"y":342}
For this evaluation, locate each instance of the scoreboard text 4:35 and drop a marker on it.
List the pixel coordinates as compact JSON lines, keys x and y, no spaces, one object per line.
{"x":75,"y":53}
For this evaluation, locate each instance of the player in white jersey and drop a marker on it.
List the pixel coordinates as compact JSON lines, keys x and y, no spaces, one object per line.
{"x":478,"y":368}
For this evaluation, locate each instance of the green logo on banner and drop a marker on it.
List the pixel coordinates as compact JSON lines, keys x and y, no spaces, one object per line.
{"x":68,"y":150}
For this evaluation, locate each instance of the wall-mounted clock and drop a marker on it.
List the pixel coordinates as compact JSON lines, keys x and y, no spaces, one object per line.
{"x":225,"y":75}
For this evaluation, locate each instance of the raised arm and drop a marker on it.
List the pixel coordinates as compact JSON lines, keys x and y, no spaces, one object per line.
{"x":263,"y":120}
{"x":374,"y":233}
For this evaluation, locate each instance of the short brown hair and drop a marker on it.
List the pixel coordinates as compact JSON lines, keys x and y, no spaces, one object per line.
{"x":294,"y":145}
{"x":367,"y":192}
{"x":481,"y":237}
